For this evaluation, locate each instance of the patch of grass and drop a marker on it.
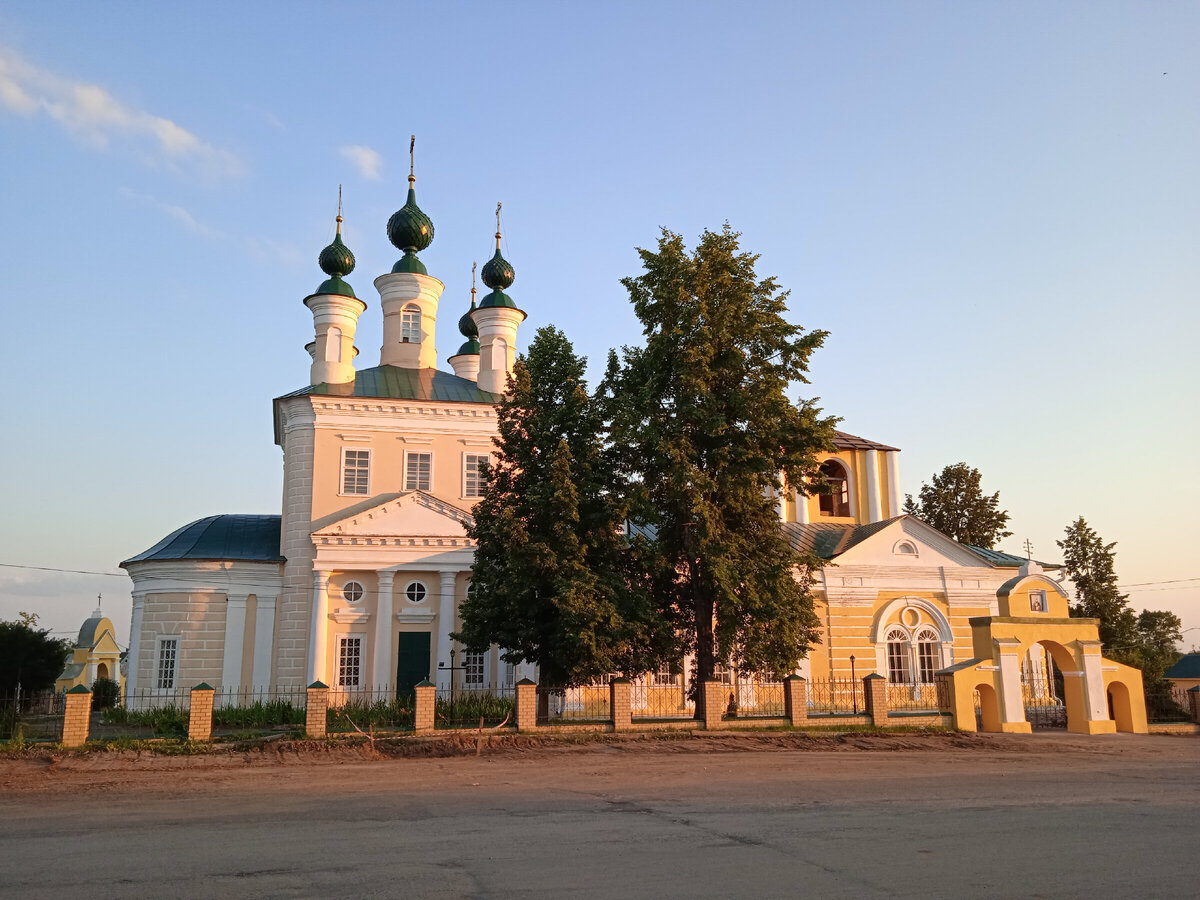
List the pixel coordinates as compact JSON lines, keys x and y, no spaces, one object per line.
{"x":269,"y":714}
{"x":467,"y":710}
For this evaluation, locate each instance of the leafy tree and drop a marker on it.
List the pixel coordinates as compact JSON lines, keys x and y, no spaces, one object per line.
{"x":955,"y":505}
{"x":702,"y":424}
{"x":1147,"y":640}
{"x":29,"y":656}
{"x":554,"y":581}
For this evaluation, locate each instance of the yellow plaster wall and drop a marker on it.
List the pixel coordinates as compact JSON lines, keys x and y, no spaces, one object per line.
{"x":1016,"y":602}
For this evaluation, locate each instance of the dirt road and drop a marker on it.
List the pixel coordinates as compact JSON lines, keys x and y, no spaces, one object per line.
{"x":864,"y":816}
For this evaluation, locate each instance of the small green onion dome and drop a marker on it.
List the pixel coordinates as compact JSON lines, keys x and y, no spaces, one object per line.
{"x":410,"y":263}
{"x":336,"y":261}
{"x":469,"y":348}
{"x":497,"y":272}
{"x":466,"y":325}
{"x":409,"y":228}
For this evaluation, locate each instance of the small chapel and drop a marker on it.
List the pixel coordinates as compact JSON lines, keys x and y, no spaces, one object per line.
{"x":358,"y":580}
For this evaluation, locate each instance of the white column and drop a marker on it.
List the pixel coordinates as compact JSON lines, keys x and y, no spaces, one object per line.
{"x":1012,"y":706}
{"x":445,"y":626}
{"x":873,"y":498}
{"x":781,"y":500}
{"x":264,"y":642}
{"x":802,"y":508}
{"x":893,"y":470}
{"x":235,"y":637}
{"x":319,"y":633}
{"x":383,"y":669}
{"x":1095,"y":698}
{"x":135,"y":641}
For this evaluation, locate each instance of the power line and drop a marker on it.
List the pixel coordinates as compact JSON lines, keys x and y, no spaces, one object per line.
{"x":1144,"y":583}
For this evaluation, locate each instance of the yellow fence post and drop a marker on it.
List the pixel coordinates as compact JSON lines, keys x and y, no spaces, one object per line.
{"x":201,"y":714}
{"x":426,"y":703}
{"x":526,"y":705}
{"x":714,"y":703}
{"x":875,"y":692}
{"x":795,"y":700}
{"x":619,"y":693}
{"x":77,"y":716}
{"x":316,"y":709}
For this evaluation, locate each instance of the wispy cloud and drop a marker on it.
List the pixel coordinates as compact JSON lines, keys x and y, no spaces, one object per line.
{"x":368,"y":162}
{"x":92,"y":114}
{"x":177,"y":213}
{"x":267,"y":250}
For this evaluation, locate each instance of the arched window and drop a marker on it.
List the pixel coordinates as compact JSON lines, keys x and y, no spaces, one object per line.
{"x":837,"y":501}
{"x":899,"y":656}
{"x":929,"y":657}
{"x":410,"y":324}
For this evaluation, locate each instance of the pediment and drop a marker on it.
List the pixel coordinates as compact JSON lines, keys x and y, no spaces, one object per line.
{"x":408,"y":514}
{"x":106,"y":644}
{"x":932,"y":548}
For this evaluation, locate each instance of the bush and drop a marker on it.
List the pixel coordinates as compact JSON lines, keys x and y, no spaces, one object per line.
{"x":105,"y":693}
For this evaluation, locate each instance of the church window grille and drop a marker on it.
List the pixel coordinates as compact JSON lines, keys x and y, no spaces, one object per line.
{"x":352,"y":592}
{"x":837,"y":501}
{"x":417,"y":471}
{"x":168,"y":659}
{"x":350,"y":660}
{"x":416,"y":592}
{"x":474,"y":481}
{"x":356,"y":471}
{"x":410,"y":325}
{"x":898,"y":657}
{"x":928,"y":655}
{"x":473,"y":669}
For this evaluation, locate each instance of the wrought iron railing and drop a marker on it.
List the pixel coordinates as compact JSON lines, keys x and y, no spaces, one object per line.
{"x":753,"y":699}
{"x":486,"y":706}
{"x":590,"y":703}
{"x":920,"y":697}
{"x":660,"y":701}
{"x":835,"y":697}
{"x":1168,"y":706}
{"x":31,"y":717}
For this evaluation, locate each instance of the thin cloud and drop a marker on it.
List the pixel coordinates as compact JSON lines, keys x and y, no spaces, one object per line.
{"x":368,"y":162}
{"x":92,"y":114}
{"x":177,"y":213}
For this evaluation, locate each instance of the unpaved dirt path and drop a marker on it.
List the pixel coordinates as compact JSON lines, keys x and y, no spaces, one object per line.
{"x":702,"y":816}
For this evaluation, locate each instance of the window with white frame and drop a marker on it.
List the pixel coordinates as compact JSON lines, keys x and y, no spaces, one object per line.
{"x":352,"y":591}
{"x":899,"y":661}
{"x":473,"y":664}
{"x":356,"y":471}
{"x":510,"y":674}
{"x":350,"y":660}
{"x":474,"y":480}
{"x":410,"y":324}
{"x":929,"y":655}
{"x":664,"y":676}
{"x":416,"y":592}
{"x":167,"y":664}
{"x":417,"y":471}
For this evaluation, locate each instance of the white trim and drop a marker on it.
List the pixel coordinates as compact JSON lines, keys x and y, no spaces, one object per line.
{"x":893,"y":472}
{"x":235,"y":638}
{"x":350,"y":616}
{"x":424,"y":589}
{"x":264,"y":641}
{"x":874,"y":504}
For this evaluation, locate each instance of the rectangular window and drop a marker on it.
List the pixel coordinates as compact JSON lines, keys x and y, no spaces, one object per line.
{"x":349,"y":667}
{"x":473,"y":670}
{"x":664,"y":676}
{"x":510,"y":674}
{"x":474,"y":481}
{"x":168,"y":659}
{"x":416,"y":472}
{"x":897,"y":659}
{"x":927,"y":660}
{"x":356,"y":470}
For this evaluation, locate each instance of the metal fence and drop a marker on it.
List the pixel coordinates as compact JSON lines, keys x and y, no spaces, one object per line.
{"x":660,"y":700}
{"x":922,"y":697}
{"x":483,"y":706}
{"x":590,"y":703}
{"x":368,"y":710}
{"x":145,"y":713}
{"x":752,"y":699}
{"x":31,"y":717}
{"x":1168,"y":706}
{"x":835,"y":697}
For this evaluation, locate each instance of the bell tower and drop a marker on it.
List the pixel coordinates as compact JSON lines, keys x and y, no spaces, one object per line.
{"x":335,"y":312}
{"x":497,"y":320}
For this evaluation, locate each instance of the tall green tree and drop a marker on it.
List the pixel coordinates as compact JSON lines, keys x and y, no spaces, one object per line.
{"x":702,"y":423}
{"x":555,"y":581}
{"x":956,"y":505}
{"x":29,"y":656}
{"x":1147,"y":640}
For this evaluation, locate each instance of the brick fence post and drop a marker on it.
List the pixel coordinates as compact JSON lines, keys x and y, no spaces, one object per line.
{"x":77,"y":716}
{"x":714,"y":703}
{"x":619,"y":694}
{"x":316,"y":709}
{"x":1194,"y":698}
{"x":426,"y":705}
{"x":201,"y":714}
{"x":527,"y":701}
{"x":795,"y":700}
{"x":875,"y":694}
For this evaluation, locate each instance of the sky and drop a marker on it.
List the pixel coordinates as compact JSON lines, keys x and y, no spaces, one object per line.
{"x":992,"y":208}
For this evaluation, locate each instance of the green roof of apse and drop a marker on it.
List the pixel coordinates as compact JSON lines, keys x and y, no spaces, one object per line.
{"x":395,"y":383}
{"x":250,"y":538}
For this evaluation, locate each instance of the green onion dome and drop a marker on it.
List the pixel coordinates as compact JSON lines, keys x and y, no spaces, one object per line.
{"x":336,"y":261}
{"x":466,"y":325}
{"x":497,"y":272}
{"x":410,"y":230}
{"x":469,"y":348}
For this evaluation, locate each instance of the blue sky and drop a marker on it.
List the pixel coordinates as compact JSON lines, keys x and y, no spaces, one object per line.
{"x":993,"y":208}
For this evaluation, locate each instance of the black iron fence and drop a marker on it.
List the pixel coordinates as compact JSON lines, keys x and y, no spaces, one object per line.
{"x":1170,"y":705}
{"x":660,"y":700}
{"x":590,"y":703}
{"x":482,"y":706}
{"x":930,"y":697}
{"x":835,"y":697}
{"x":31,"y":717}
{"x":753,"y":699}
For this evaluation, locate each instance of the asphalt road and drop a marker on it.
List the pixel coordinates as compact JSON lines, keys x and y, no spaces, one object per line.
{"x":1048,"y":816}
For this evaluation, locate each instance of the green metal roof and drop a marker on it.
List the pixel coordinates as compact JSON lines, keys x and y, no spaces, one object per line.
{"x":1007,"y":560}
{"x":395,"y":383}
{"x":1188,"y":667}
{"x":232,"y":537}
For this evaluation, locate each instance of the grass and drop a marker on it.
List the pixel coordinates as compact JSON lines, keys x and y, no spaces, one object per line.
{"x":467,"y":710}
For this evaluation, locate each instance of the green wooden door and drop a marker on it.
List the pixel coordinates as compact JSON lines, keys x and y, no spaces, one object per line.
{"x":412,"y":663}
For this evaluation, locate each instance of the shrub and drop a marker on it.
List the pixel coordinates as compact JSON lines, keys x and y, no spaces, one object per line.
{"x":105,"y":693}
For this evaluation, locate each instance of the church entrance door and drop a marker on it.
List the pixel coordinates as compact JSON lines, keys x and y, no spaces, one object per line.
{"x":412,"y":663}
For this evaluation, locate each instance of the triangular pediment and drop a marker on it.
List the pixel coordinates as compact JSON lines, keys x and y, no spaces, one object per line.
{"x":926,"y":546}
{"x":408,"y":514}
{"x":106,"y":644}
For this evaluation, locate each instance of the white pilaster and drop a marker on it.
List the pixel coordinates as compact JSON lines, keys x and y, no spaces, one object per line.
{"x":318,"y":636}
{"x":781,"y":500}
{"x":802,"y":515}
{"x":135,"y":641}
{"x":1095,"y":698}
{"x":264,"y":642}
{"x":235,"y":637}
{"x":445,"y":626}
{"x":1012,"y":705}
{"x":893,"y":470}
{"x":873,"y":497}
{"x":383,"y":669}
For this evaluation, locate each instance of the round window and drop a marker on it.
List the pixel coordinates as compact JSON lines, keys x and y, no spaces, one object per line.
{"x":910,"y":617}
{"x":415,"y":592}
{"x":352,"y":591}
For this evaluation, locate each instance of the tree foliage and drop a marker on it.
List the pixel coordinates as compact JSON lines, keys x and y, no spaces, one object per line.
{"x":29,"y":656}
{"x":704,"y":428}
{"x":956,"y":505}
{"x":555,"y":581}
{"x":1147,"y":640}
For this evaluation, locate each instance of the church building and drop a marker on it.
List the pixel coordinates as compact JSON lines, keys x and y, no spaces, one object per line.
{"x":358,"y":580}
